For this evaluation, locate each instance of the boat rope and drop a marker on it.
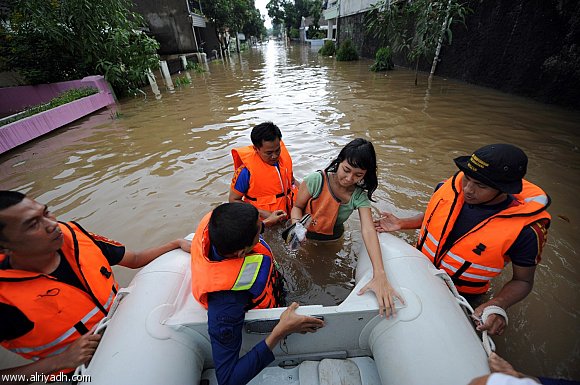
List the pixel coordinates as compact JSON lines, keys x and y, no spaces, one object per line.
{"x":488,"y":344}
{"x":486,"y":341}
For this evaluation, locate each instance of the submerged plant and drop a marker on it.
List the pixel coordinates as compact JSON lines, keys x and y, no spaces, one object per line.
{"x":191,"y":65}
{"x":346,"y":52}
{"x":383,"y":60}
{"x":328,"y":49}
{"x":416,"y":28}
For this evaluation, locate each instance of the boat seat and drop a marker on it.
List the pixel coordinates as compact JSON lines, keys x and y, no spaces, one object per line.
{"x":329,"y":371}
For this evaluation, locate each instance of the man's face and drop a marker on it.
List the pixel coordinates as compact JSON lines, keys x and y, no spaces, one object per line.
{"x":31,"y":229}
{"x":476,"y":192}
{"x":270,"y":151}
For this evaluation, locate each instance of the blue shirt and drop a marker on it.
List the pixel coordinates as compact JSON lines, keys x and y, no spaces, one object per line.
{"x":225,"y":320}
{"x":242,"y":183}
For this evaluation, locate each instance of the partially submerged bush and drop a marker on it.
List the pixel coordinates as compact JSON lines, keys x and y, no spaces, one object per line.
{"x":346,"y":52}
{"x":383,"y":60}
{"x":328,"y":49}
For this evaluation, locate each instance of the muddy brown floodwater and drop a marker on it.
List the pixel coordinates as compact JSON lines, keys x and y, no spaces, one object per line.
{"x":149,"y":172}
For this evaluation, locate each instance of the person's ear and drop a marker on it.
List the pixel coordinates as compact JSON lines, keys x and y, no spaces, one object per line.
{"x":240,"y":253}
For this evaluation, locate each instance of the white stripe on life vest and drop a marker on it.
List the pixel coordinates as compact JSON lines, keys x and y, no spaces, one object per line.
{"x":474,"y":265}
{"x":66,"y":334}
{"x":541,"y":199}
{"x":431,"y":252}
{"x":468,"y":275}
{"x":432,"y":238}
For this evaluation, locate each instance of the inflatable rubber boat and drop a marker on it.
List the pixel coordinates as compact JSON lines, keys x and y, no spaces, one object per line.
{"x":156,"y":332}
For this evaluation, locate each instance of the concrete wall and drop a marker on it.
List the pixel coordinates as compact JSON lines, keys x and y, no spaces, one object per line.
{"x":169,"y":23}
{"x":526,"y":47}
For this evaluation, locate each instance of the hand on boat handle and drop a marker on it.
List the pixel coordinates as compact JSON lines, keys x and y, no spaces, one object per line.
{"x":291,"y":322}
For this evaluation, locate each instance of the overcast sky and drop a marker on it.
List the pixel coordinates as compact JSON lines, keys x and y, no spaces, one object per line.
{"x":261,"y":5}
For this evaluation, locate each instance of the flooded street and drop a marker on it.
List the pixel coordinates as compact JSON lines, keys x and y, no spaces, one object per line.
{"x":148,"y":172}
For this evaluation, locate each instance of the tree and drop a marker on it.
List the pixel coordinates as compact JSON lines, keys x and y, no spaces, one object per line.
{"x":418,"y":28}
{"x":290,"y":12}
{"x":233,"y":16}
{"x":58,"y":40}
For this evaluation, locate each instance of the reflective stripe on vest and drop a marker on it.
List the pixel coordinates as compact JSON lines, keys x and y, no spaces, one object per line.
{"x":487,"y":243}
{"x":233,"y":273}
{"x":66,"y":334}
{"x":248,"y":272}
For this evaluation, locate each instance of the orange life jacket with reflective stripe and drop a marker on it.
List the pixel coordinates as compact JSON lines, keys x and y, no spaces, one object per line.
{"x":479,"y":255}
{"x":323,"y":208}
{"x":234,"y":273}
{"x":270,"y":187}
{"x":61,"y":313}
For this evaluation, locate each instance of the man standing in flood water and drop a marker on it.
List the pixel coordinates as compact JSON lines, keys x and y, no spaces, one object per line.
{"x":476,"y":222}
{"x":56,"y":284}
{"x":263,"y":174}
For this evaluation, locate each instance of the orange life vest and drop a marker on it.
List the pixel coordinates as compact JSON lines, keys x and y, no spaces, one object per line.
{"x":323,"y":208}
{"x":270,"y":188}
{"x":61,"y":313}
{"x":479,"y":255}
{"x":234,"y":273}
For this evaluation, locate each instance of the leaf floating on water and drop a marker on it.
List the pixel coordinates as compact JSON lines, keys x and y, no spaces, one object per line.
{"x":564,"y":218}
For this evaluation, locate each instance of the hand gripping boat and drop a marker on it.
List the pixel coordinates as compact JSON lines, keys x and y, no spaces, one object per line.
{"x":157,"y":332}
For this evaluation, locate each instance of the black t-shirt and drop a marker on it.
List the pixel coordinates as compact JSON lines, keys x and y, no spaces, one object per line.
{"x":13,"y":323}
{"x":526,"y":250}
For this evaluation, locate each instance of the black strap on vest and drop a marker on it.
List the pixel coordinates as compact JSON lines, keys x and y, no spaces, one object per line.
{"x":462,"y":269}
{"x":81,"y":328}
{"x":280,"y":195}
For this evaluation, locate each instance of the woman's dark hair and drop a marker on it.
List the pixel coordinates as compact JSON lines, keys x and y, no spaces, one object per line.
{"x":265,"y":132}
{"x":359,"y":153}
{"x":233,"y":227}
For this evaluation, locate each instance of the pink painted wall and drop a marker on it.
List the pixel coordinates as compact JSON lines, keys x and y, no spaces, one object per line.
{"x":16,"y":99}
{"x":24,"y":130}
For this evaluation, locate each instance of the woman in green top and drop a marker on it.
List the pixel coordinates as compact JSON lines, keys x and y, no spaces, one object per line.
{"x":331,"y":196}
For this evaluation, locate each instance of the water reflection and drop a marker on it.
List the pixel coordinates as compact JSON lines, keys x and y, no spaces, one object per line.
{"x":150,"y":172}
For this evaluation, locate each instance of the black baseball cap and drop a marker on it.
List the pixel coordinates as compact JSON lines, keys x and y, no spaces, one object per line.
{"x":501,"y":166}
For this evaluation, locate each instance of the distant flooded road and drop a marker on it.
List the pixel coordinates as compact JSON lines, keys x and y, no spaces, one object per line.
{"x":149,"y":172}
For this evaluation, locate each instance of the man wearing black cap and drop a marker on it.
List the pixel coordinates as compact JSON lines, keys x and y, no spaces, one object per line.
{"x":483,"y":217}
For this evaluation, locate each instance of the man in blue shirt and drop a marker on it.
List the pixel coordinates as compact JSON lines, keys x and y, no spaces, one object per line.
{"x":233,"y":271}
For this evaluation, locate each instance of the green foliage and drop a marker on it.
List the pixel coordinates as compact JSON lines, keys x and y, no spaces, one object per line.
{"x":181,"y":81}
{"x":328,"y":49}
{"x":415,"y":27}
{"x":346,"y":52}
{"x":383,"y":60}
{"x":290,"y":12}
{"x":235,"y":15}
{"x":50,"y":41}
{"x":294,"y":33}
{"x":64,"y":98}
{"x":194,"y":66}
{"x":315,"y":34}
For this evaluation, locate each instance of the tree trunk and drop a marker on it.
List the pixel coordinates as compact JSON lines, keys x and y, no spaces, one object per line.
{"x":416,"y":70}
{"x":440,"y":42}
